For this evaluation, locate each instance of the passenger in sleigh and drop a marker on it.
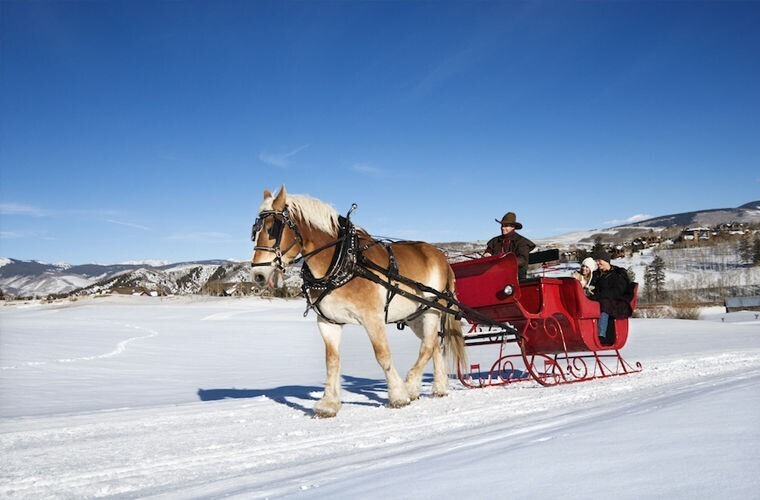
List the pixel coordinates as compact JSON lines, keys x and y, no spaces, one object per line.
{"x":509,"y":241}
{"x":614,"y":292}
{"x":584,"y":275}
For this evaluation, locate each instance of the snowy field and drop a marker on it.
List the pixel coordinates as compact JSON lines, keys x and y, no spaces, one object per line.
{"x":196,"y":397}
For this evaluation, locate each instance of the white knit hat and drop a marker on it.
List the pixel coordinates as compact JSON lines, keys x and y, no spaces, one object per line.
{"x":590,"y":263}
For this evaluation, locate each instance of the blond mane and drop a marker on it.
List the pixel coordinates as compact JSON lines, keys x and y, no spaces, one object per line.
{"x":311,"y":211}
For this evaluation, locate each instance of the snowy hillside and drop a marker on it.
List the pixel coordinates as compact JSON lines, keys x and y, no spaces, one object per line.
{"x":747,"y":213}
{"x":183,"y":397}
{"x":717,"y":268}
{"x":31,"y":278}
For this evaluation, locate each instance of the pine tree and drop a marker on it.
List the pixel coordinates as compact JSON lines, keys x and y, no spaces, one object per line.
{"x":756,"y":251}
{"x":745,"y":250}
{"x":649,"y":283}
{"x":631,"y":274}
{"x":654,"y":279}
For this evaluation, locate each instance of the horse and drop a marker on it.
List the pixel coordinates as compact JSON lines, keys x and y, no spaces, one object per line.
{"x":344,"y":284}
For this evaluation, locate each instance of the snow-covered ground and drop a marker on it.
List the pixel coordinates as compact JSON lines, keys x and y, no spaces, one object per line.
{"x":190,"y":397}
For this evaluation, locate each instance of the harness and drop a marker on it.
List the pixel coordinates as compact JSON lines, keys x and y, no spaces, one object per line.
{"x":349,"y":262}
{"x":342,"y":268}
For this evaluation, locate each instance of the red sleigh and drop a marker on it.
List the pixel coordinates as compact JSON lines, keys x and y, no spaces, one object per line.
{"x":548,"y":328}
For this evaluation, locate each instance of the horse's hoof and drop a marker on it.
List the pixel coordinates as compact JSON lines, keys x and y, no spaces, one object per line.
{"x":325,"y":410}
{"x":399,"y":404}
{"x":440,"y":394}
{"x":323,"y":414}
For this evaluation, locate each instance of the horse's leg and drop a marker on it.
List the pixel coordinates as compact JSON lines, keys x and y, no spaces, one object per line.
{"x":397,"y":394}
{"x":440,"y":375}
{"x":329,"y":405}
{"x":426,"y":328}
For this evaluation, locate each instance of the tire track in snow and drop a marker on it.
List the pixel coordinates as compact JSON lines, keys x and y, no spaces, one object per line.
{"x":120,"y":348}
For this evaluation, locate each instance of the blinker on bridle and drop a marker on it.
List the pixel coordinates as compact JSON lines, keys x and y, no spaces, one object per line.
{"x":281,"y":218}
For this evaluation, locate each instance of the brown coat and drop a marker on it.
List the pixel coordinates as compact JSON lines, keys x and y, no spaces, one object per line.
{"x":512,"y":243}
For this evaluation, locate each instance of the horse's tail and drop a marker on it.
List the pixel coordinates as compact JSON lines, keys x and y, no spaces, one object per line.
{"x":451,"y":327}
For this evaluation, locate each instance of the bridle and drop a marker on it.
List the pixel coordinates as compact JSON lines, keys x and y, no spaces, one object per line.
{"x":281,"y":219}
{"x":343,"y":265}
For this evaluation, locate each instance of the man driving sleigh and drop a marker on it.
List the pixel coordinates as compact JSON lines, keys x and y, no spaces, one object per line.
{"x":510,"y":241}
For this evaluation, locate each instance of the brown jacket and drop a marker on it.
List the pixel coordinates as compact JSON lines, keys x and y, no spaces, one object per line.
{"x":512,"y":243}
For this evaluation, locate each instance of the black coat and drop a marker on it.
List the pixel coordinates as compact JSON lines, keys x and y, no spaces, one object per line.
{"x":614,"y":292}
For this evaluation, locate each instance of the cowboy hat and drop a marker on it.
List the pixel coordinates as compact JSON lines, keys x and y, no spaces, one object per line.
{"x":509,"y":219}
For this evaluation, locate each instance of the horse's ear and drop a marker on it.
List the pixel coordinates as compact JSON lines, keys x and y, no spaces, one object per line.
{"x":267,"y":194}
{"x":279,"y":201}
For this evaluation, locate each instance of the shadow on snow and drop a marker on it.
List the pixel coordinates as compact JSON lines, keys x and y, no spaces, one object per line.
{"x":295,"y":396}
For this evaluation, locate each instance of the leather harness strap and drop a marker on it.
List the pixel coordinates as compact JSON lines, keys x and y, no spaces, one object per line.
{"x":349,"y":262}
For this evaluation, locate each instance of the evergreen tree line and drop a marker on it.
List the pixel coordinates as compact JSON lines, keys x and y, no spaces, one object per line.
{"x":748,"y":249}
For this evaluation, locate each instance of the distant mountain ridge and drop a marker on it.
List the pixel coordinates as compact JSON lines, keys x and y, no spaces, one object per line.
{"x":32,"y":278}
{"x":747,"y":213}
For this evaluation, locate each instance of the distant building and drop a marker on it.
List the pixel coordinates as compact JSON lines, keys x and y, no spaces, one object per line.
{"x":751,"y":303}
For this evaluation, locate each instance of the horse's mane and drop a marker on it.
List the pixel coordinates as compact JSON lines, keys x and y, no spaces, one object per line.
{"x":311,"y":211}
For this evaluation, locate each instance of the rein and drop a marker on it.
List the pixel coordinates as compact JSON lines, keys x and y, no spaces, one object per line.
{"x":349,"y":262}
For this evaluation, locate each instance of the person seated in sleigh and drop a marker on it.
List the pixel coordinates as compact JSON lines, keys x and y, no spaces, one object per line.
{"x":614,"y":292}
{"x":510,"y":241}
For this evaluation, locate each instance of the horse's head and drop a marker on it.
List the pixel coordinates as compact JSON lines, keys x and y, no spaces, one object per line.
{"x":277,"y":240}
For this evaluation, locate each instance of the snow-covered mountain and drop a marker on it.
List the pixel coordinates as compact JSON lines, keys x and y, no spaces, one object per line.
{"x":32,"y":278}
{"x":749,"y":214}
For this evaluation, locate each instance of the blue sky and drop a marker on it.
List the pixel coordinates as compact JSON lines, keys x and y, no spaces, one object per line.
{"x":148,"y":130}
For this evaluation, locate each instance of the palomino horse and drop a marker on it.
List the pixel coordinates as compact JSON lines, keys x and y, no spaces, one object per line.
{"x":289,"y":225}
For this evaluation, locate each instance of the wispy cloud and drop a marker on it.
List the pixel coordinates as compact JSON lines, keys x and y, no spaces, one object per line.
{"x":453,"y":64}
{"x":15,"y":235}
{"x":21,"y":209}
{"x":33,"y":211}
{"x":377,"y":172}
{"x":630,"y":220}
{"x":201,"y":237}
{"x":281,"y":160}
{"x":371,"y":170}
{"x":129,"y":224}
